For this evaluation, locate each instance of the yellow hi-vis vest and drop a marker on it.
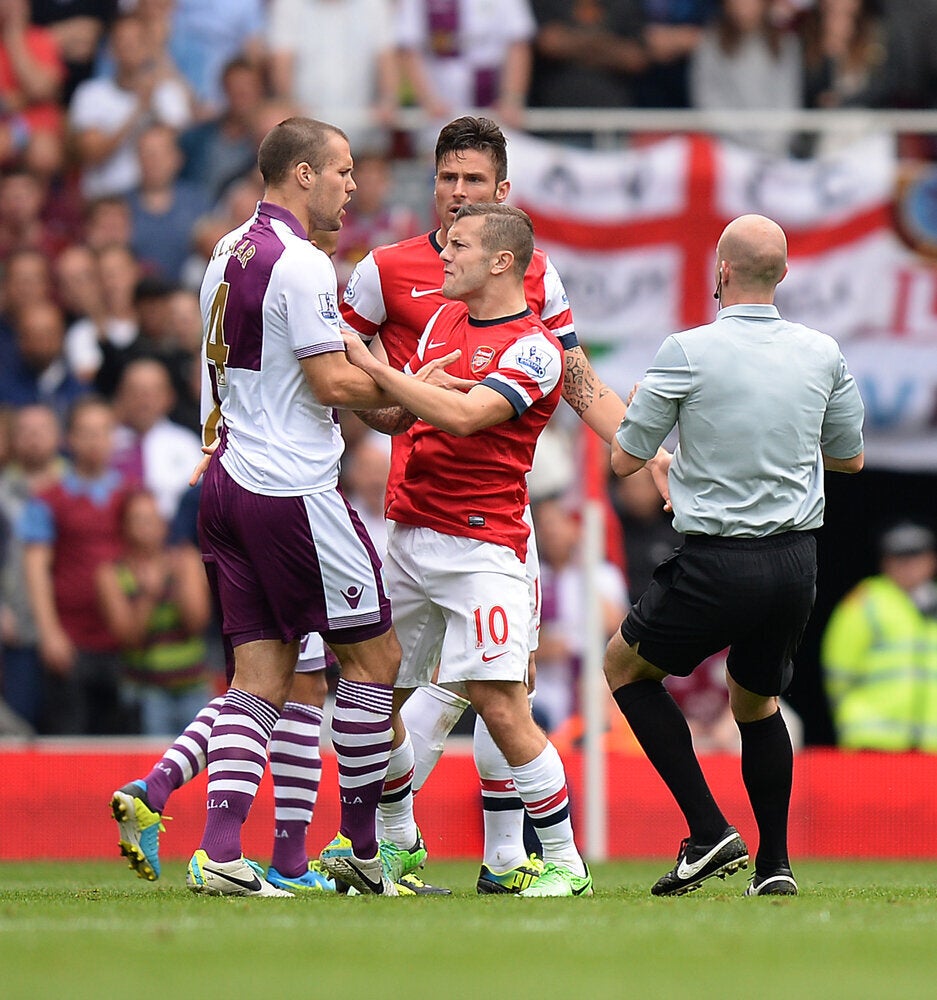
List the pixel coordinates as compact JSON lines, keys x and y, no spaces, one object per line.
{"x":879,"y":658}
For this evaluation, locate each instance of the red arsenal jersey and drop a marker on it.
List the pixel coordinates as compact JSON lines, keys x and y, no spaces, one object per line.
{"x":396,"y":290}
{"x":476,"y":486}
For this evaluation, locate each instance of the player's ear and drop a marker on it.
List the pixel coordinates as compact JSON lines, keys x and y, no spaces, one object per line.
{"x":502,"y":191}
{"x":304,"y":173}
{"x":504,"y":261}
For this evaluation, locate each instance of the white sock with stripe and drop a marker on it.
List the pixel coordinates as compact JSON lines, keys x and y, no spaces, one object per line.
{"x":541,"y":785}
{"x":502,"y":808}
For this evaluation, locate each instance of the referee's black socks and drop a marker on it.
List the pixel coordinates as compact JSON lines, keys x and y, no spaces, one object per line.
{"x":661,"y":729}
{"x":767,"y":771}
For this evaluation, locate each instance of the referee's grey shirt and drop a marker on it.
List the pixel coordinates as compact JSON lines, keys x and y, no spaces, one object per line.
{"x":755,"y":399}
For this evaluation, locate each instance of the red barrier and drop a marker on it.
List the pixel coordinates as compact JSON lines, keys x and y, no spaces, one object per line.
{"x":54,"y":804}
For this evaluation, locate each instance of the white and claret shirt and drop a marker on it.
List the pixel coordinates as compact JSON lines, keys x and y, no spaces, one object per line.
{"x":269,"y":299}
{"x":476,"y":486}
{"x":756,"y":400}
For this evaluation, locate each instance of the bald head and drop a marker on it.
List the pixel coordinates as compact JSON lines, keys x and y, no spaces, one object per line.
{"x":751,"y":258}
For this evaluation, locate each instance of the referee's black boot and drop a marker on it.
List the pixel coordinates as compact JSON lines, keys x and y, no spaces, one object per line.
{"x":698,"y":862}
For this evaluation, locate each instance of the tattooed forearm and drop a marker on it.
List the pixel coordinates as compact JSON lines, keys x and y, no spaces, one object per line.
{"x":593,"y":401}
{"x":579,"y":381}
{"x":389,"y":420}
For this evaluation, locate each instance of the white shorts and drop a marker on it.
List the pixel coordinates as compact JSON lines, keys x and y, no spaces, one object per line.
{"x":532,"y":571}
{"x":311,"y":654}
{"x":459,"y":603}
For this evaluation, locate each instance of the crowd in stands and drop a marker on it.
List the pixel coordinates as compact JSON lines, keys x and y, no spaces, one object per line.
{"x":128,"y":139}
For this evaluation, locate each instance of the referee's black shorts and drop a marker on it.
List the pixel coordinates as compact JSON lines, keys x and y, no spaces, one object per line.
{"x":751,"y":594}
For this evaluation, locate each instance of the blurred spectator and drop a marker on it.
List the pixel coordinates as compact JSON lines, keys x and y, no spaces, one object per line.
{"x":647,"y":529}
{"x":184,"y":331}
{"x":35,"y":465}
{"x":162,"y":329}
{"x":879,"y":650}
{"x":373,"y":217}
{"x":563,"y":611}
{"x":588,"y":55}
{"x":31,"y":75}
{"x":151,"y":295}
{"x":844,"y":54}
{"x":78,"y":286}
{"x":68,"y":530}
{"x":89,"y":341}
{"x":364,"y":481}
{"x":156,"y":17}
{"x":240,"y":199}
{"x":157,"y":340}
{"x":554,"y":467}
{"x":206,"y":233}
{"x":78,"y":27}
{"x":108,"y":223}
{"x":46,"y":161}
{"x":271,"y":112}
{"x":674,"y":29}
{"x":745,"y":62}
{"x":163,"y":208}
{"x":26,"y":279}
{"x":207,"y":34}
{"x":460,"y":55}
{"x":22,"y":222}
{"x":911,"y":56}
{"x":844,"y":64}
{"x":149,"y":449}
{"x":316,"y":76}
{"x":223,"y":148}
{"x":107,"y":114}
{"x":38,"y":372}
{"x":156,"y":602}
{"x":184,"y":320}
{"x":242,"y":194}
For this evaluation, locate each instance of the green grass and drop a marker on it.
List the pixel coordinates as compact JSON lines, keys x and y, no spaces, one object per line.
{"x":90,"y":930}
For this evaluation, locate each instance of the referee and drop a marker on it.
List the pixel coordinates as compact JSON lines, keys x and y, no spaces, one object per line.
{"x":762,"y":407}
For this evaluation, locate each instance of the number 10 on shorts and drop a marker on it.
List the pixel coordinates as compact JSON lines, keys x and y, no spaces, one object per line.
{"x":491,"y":626}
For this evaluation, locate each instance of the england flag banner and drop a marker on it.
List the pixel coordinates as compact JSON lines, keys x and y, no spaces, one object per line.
{"x":633,"y":235}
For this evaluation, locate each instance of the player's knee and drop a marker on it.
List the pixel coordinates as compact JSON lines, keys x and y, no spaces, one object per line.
{"x":618,"y":660}
{"x":750,"y":707}
{"x":309,"y":688}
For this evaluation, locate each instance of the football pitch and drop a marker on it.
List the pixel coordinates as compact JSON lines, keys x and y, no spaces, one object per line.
{"x":79,"y":930}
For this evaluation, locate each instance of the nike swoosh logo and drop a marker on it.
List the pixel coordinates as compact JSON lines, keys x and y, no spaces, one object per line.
{"x":254,"y":884}
{"x":685,"y":871}
{"x":376,"y":887}
{"x":416,"y":293}
{"x":434,"y":343}
{"x":580,"y":890}
{"x":487,"y":659}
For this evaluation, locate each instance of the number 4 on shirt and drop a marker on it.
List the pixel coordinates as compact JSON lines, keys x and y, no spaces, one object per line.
{"x":216,"y":350}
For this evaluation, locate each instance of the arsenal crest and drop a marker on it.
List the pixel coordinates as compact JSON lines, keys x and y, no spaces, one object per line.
{"x":482,"y":358}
